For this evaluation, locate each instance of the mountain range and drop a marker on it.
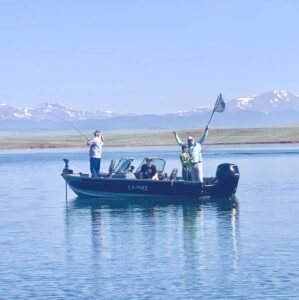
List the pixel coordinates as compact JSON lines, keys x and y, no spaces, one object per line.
{"x":273,"y":108}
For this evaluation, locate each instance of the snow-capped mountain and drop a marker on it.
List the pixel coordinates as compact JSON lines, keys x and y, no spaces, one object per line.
{"x":271,"y":102}
{"x":273,"y":108}
{"x":9,"y":112}
{"x":196,"y":110}
{"x":50,"y":111}
{"x":268,"y":109}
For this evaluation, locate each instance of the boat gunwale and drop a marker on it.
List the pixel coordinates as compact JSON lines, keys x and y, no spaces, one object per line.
{"x":78,"y":176}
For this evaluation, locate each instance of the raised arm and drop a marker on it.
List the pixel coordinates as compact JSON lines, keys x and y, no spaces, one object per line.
{"x":102,"y":137}
{"x":204,"y":136}
{"x":178,"y":140}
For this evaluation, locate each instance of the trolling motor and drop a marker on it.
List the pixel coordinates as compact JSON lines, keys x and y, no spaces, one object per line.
{"x":66,"y":169}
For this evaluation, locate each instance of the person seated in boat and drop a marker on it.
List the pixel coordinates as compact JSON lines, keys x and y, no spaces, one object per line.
{"x":149,"y":170}
{"x":186,"y":163}
{"x":195,"y":154}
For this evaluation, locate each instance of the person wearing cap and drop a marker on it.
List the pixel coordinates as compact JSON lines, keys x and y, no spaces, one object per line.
{"x":186,"y":163}
{"x":95,"y":153}
{"x":195,"y":154}
{"x":149,"y":170}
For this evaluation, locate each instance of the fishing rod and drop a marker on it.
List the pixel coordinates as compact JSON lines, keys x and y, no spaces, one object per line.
{"x":219,"y":106}
{"x":70,"y":124}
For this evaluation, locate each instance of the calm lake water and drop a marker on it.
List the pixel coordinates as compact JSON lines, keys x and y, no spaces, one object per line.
{"x":84,"y":249}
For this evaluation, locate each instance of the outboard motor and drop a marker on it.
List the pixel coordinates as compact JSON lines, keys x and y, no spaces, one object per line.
{"x":66,"y":169}
{"x":227,"y":177}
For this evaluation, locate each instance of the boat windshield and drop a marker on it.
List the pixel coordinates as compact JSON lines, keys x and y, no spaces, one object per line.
{"x":158,"y":162}
{"x":123,"y":165}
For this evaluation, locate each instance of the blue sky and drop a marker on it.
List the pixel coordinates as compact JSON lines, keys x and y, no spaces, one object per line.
{"x":145,"y":56}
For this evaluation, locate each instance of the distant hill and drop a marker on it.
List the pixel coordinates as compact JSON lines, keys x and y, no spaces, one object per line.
{"x":274,"y":108}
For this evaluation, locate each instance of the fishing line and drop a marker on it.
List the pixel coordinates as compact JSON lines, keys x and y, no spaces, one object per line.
{"x":226,"y":137}
{"x":221,"y":139}
{"x":70,"y":124}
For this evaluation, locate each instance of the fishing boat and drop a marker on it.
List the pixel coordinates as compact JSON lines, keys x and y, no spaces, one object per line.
{"x":123,"y":180}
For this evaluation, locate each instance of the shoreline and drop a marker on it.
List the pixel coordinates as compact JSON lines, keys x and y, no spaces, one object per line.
{"x":69,"y":146}
{"x":216,"y":137}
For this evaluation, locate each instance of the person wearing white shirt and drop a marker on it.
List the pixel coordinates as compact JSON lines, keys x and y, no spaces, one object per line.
{"x":95,"y":153}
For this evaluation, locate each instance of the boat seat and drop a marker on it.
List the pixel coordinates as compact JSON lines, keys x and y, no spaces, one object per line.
{"x":173,"y":175}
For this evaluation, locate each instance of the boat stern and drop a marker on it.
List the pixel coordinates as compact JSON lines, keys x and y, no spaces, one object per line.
{"x":227,"y":179}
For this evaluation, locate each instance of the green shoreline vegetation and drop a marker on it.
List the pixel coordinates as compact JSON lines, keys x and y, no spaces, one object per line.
{"x":32,"y":140}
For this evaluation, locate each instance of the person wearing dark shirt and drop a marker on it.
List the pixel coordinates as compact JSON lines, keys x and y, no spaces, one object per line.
{"x":186,"y":163}
{"x":149,"y":170}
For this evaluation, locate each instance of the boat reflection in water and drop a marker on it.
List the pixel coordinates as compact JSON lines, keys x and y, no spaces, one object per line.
{"x":194,"y":234}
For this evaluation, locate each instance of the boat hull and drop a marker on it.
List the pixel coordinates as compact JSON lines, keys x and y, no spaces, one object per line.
{"x":107,"y":187}
{"x":224,"y":184}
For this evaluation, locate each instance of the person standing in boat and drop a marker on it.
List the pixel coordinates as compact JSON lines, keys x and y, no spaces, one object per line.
{"x":186,"y":163}
{"x":95,"y":153}
{"x":195,"y":154}
{"x":149,"y":170}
